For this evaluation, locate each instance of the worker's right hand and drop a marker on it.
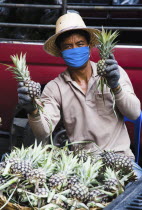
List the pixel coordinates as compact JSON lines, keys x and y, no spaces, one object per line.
{"x":24,"y":99}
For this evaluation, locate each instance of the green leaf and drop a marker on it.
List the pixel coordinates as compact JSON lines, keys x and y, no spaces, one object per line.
{"x":102,"y":87}
{"x":9,"y":198}
{"x":8,"y":183}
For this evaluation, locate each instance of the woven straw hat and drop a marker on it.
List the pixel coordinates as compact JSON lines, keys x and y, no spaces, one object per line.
{"x":67,"y":22}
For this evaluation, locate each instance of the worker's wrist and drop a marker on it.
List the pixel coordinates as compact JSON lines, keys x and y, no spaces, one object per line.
{"x":35,"y":113}
{"x":117,"y":89}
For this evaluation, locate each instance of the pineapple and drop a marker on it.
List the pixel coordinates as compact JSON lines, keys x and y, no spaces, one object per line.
{"x":123,"y":163}
{"x":17,"y":166}
{"x":22,"y":74}
{"x":113,"y":185}
{"x":106,"y":45}
{"x":108,"y":158}
{"x":22,"y":161}
{"x":66,"y":166}
{"x":96,"y":158}
{"x":37,"y":176}
{"x":72,"y":181}
{"x":112,"y":181}
{"x":41,"y":192}
{"x":57,"y":181}
{"x":2,"y":166}
{"x":21,"y":167}
{"x":98,"y":195}
{"x":35,"y":154}
{"x":58,"y":201}
{"x":120,"y":163}
{"x":82,"y":155}
{"x":27,"y":161}
{"x":3,"y":180}
{"x":79,"y":191}
{"x":117,"y":161}
{"x":115,"y":182}
{"x":88,"y":174}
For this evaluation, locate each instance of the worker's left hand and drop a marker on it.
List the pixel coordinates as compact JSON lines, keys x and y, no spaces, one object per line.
{"x":112,"y":72}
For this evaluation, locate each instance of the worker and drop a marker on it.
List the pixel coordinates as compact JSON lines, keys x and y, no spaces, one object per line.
{"x":88,"y":115}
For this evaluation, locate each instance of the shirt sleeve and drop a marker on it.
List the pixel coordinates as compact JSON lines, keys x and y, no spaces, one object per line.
{"x":44,"y":124}
{"x":126,"y":100}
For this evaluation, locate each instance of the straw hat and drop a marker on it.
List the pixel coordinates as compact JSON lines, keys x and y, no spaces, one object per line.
{"x":67,"y":22}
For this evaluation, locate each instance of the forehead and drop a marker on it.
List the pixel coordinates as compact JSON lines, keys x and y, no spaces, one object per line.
{"x":74,"y":37}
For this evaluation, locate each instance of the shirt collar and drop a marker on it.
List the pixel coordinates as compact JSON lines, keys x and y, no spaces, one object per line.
{"x":67,"y":77}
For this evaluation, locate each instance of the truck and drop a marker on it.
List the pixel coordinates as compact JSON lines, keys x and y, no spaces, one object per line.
{"x":29,"y":37}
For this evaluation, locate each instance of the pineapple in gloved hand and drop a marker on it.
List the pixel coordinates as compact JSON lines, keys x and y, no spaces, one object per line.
{"x":28,"y":90}
{"x":107,"y":67}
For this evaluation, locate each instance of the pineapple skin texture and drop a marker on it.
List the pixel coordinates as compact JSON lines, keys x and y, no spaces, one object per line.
{"x":101,"y":68}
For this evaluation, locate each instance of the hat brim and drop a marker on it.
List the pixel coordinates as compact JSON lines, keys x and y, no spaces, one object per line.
{"x":51,"y":48}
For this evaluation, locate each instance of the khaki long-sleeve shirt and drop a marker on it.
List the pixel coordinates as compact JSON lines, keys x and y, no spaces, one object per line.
{"x":86,"y":116}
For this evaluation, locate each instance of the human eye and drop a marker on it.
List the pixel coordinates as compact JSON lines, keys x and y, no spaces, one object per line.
{"x":66,"y":47}
{"x":80,"y":44}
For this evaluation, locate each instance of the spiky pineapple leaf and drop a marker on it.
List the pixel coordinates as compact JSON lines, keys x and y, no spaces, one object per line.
{"x":88,"y":172}
{"x":106,"y":42}
{"x":20,"y":69}
{"x":102,"y":87}
{"x":7,"y":201}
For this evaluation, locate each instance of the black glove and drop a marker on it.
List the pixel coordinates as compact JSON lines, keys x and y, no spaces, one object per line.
{"x":24,"y":99}
{"x":112,"y":72}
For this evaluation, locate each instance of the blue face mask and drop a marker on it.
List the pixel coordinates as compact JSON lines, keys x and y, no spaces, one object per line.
{"x":76,"y":57}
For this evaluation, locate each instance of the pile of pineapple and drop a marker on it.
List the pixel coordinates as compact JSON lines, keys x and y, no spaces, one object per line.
{"x":47,"y":177}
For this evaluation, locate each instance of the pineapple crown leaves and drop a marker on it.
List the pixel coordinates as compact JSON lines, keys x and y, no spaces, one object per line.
{"x":6,"y":185}
{"x":93,"y":204}
{"x":58,"y":196}
{"x":35,"y":154}
{"x":88,"y":172}
{"x":107,"y":38}
{"x":68,"y":163}
{"x":48,"y":164}
{"x":111,"y":174}
{"x":79,"y":205}
{"x":20,"y":69}
{"x":50,"y":206}
{"x":127,"y":177}
{"x":106,"y":42}
{"x":17,"y":153}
